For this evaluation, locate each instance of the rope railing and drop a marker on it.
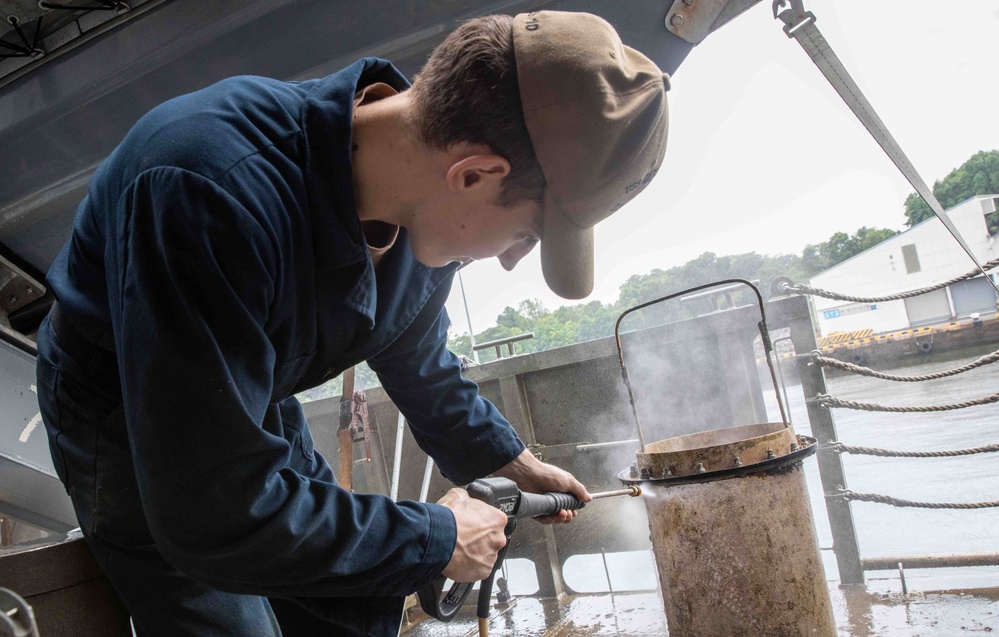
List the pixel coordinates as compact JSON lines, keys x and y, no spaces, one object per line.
{"x":826,"y":361}
{"x":801,"y":288}
{"x":839,"y":447}
{"x":898,"y":502}
{"x":827,"y":401}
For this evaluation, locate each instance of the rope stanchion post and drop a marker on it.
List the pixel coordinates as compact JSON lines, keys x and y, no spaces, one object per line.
{"x":794,"y":311}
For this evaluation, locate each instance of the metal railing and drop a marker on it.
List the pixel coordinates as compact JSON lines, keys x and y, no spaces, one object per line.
{"x":500,"y":342}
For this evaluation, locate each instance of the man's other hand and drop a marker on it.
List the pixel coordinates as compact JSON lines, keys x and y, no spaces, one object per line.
{"x":535,"y":476}
{"x":480,"y":536}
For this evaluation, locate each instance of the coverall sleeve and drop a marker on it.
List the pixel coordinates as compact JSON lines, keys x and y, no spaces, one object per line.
{"x":190,"y":297}
{"x":462,"y":431}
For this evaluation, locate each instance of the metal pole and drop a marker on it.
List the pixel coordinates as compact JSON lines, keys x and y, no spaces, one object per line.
{"x":596,"y":446}
{"x":425,"y":488}
{"x":468,"y":317}
{"x":603,"y":556}
{"x":634,"y":491}
{"x":397,"y":462}
{"x":932,"y":561}
{"x":794,"y":309}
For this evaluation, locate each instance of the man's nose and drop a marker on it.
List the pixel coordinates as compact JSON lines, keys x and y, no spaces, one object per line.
{"x":512,"y":256}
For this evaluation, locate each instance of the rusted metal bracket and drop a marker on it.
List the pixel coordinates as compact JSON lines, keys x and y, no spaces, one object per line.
{"x":545,"y":453}
{"x":693,"y":20}
{"x":354,"y":420}
{"x":354,"y":426}
{"x":360,"y":428}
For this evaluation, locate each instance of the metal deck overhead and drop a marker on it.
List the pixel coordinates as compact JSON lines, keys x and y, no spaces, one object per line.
{"x":62,"y":112}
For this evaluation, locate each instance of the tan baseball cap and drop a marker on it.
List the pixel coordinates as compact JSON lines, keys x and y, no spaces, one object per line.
{"x":596,"y":113}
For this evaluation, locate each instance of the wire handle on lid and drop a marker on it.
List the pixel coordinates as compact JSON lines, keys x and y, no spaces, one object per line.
{"x":764,"y":334}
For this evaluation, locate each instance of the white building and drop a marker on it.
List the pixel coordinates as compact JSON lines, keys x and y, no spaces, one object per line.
{"x":921,"y":256}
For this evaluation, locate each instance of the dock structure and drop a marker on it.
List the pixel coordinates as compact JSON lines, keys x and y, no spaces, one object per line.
{"x":912,"y":344}
{"x":570,"y":407}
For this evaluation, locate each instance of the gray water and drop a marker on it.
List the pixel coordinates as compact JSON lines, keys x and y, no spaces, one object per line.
{"x":884,"y":530}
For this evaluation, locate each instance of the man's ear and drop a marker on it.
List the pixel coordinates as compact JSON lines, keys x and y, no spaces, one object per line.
{"x":475,"y":171}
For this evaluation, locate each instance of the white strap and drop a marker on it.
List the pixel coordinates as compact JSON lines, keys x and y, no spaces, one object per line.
{"x":800,"y":25}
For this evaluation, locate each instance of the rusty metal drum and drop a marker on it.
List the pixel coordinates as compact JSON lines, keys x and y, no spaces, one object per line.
{"x":733,"y":533}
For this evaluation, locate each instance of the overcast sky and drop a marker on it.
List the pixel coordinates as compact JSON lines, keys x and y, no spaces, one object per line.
{"x":764,"y":156}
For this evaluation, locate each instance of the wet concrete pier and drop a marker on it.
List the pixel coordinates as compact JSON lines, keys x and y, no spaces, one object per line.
{"x":859,"y":613}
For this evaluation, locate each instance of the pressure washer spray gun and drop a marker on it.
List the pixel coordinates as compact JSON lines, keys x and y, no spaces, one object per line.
{"x":508,"y":498}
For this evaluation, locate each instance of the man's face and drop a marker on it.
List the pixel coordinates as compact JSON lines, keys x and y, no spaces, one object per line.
{"x":480,"y":231}
{"x":461,"y":218}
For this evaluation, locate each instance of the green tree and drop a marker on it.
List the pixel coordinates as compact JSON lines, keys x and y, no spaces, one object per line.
{"x":461,"y":345}
{"x":512,"y":319}
{"x":550,"y":333}
{"x":840,"y":247}
{"x":596,"y":320}
{"x":866,"y":238}
{"x":532,"y":309}
{"x":571,"y":324}
{"x":977,"y":176}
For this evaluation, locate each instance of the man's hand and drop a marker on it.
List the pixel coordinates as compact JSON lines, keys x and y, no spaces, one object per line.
{"x":535,"y":476}
{"x":480,"y":536}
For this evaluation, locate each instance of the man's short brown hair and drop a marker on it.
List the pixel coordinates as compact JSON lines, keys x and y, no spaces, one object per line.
{"x":468,"y":92}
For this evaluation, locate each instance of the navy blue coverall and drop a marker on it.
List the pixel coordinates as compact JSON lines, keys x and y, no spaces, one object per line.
{"x":216,"y":267}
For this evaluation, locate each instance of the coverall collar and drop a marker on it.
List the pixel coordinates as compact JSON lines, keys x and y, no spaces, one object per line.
{"x":338,"y":240}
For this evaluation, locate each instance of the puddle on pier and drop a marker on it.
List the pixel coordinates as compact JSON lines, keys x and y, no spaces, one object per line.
{"x":631,"y":615}
{"x":859,"y":613}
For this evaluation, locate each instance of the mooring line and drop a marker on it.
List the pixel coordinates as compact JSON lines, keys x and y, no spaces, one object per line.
{"x":826,"y":361}
{"x":827,"y":401}
{"x":839,"y":447}
{"x":801,"y":288}
{"x":898,"y":502}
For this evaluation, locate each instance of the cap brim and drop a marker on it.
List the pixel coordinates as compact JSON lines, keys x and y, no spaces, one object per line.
{"x":566,"y":253}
